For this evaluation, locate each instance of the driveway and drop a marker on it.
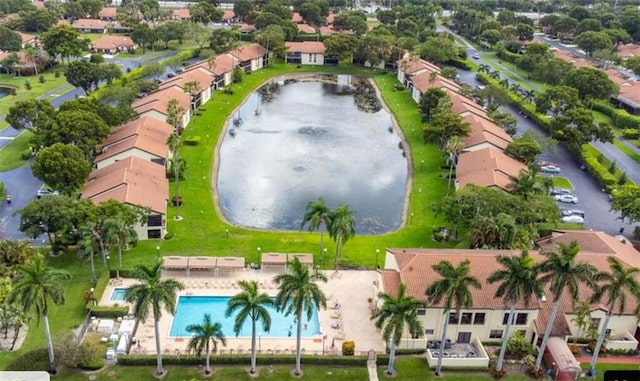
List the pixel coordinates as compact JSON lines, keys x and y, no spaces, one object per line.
{"x":592,"y":200}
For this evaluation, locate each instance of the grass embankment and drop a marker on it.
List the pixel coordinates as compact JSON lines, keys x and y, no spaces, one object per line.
{"x":37,"y":88}
{"x":562,"y":182}
{"x":11,"y":154}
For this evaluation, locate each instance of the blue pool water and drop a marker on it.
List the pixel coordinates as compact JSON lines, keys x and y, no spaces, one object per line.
{"x":118,"y":294}
{"x":191,"y":310}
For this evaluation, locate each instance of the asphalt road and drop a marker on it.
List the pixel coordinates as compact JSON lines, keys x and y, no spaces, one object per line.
{"x":592,"y":200}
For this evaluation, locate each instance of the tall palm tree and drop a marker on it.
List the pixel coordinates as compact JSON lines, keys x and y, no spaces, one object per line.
{"x":529,"y":95}
{"x":395,"y":313}
{"x":96,"y":232}
{"x":612,"y":286}
{"x":494,"y":75}
{"x":152,"y":292}
{"x":299,"y":293}
{"x":253,"y":305}
{"x":453,"y":290}
{"x":518,"y":279}
{"x":119,"y":233}
{"x":87,"y":250}
{"x":317,"y":213}
{"x":32,"y":54}
{"x":453,"y":147}
{"x":175,"y":143}
{"x":563,"y":274}
{"x":484,"y":68}
{"x":205,"y":336}
{"x":34,"y":285}
{"x":582,"y":320}
{"x":524,"y":185}
{"x":342,"y":227}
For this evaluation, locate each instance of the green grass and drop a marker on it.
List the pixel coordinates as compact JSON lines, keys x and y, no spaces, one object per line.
{"x":627,"y":151}
{"x":562,"y":182}
{"x":11,"y":154}
{"x":601,"y":368}
{"x":94,"y":36}
{"x":37,"y":88}
{"x":526,"y":83}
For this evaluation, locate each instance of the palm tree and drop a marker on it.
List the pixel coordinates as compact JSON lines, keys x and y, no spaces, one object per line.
{"x":612,"y":285}
{"x":504,"y":83}
{"x":317,"y":213}
{"x":515,"y":88}
{"x":524,"y":185}
{"x":529,"y":95}
{"x":392,"y":317}
{"x":175,"y":143}
{"x":562,"y":273}
{"x":342,"y":227}
{"x":484,"y":68}
{"x":453,"y":289}
{"x":494,"y":75}
{"x":582,"y":320}
{"x":518,"y":281}
{"x":86,"y":249}
{"x":32,"y":54}
{"x":118,"y":232}
{"x":205,"y":336}
{"x":252,"y":305}
{"x":34,"y":285}
{"x":96,"y":232}
{"x":152,"y":293}
{"x":298,"y":293}
{"x":453,"y":147}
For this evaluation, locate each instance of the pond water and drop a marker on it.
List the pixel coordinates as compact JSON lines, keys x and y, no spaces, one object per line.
{"x":292,"y":142}
{"x":5,"y":91}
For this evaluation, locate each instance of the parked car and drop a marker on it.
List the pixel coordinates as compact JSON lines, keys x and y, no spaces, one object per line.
{"x":559,"y":191}
{"x":44,"y":191}
{"x":572,"y":212}
{"x":476,"y":56}
{"x":573,"y":219}
{"x":542,"y":163}
{"x":566,"y":198}
{"x":171,"y":74}
{"x":550,"y":169}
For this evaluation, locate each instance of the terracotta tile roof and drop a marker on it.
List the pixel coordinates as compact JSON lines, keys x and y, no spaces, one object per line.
{"x":330,"y":18}
{"x":26,"y":37}
{"x":224,"y":63}
{"x":628,"y":50}
{"x":296,"y":18}
{"x":249,"y":52}
{"x":390,"y":281}
{"x":39,"y":4}
{"x":182,"y":13}
{"x":576,"y":61}
{"x":463,"y":105}
{"x":309,"y":47}
{"x":159,"y":100}
{"x":203,"y":76}
{"x":112,"y":42}
{"x":140,"y":142}
{"x":228,"y":14}
{"x":327,"y":30}
{"x":306,"y":28}
{"x":133,"y":181}
{"x":487,"y":168}
{"x":247,"y":28}
{"x":108,"y":12}
{"x":90,"y":24}
{"x":145,"y":127}
{"x":424,"y":81}
{"x":485,"y":131}
{"x":413,"y":64}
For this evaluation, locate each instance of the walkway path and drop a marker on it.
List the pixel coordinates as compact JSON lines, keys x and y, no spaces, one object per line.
{"x":611,"y":360}
{"x":372,"y":367}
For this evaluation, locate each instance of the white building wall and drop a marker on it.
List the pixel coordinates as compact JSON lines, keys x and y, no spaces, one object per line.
{"x":256,"y":64}
{"x":124,"y":155}
{"x":312,"y":59}
{"x":619,"y":324}
{"x":206,"y":95}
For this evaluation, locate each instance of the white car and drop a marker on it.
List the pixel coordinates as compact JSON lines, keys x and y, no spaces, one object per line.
{"x":550,"y":169}
{"x":574,"y":219}
{"x":476,"y":56}
{"x":571,"y":199}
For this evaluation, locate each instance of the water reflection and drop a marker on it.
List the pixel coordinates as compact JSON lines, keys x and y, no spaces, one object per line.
{"x":292,"y":142}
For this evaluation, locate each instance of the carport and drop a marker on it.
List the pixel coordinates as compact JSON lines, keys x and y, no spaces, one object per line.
{"x":202,"y":264}
{"x":175,"y":263}
{"x":227,"y":265}
{"x":304,"y":258}
{"x":274,"y":262}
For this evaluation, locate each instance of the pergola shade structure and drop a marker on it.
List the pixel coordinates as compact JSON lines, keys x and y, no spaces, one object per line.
{"x":202,"y":264}
{"x":305,"y":259}
{"x":174,"y":263}
{"x":274,"y":262}
{"x":227,"y":265}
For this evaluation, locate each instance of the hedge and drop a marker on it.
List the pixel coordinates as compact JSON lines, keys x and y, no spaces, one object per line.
{"x":243,"y":359}
{"x":36,"y":359}
{"x":506,"y":55}
{"x":108,"y":312}
{"x":460,"y":64}
{"x":630,"y":133}
{"x":192,"y":141}
{"x":620,"y":118}
{"x":599,"y":171}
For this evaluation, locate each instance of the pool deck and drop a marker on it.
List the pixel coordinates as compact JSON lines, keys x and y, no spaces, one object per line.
{"x":351,"y":289}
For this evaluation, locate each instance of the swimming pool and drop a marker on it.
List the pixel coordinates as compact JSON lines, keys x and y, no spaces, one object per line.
{"x":118,"y":294}
{"x":191,"y":310}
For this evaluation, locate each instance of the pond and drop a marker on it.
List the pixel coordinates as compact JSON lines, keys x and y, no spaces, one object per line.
{"x":294,"y":141}
{"x":5,"y":91}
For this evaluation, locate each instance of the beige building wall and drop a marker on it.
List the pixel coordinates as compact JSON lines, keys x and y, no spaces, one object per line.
{"x":312,"y":59}
{"x":256,"y":64}
{"x":124,"y":155}
{"x":619,"y":324}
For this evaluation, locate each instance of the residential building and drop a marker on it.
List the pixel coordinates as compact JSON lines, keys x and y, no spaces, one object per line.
{"x":27,"y":40}
{"x":424,"y":80}
{"x":487,"y":167}
{"x":252,"y":57}
{"x":305,"y":53}
{"x":228,"y":16}
{"x":204,"y":79}
{"x":156,"y":104}
{"x":627,"y":51}
{"x":108,"y":14}
{"x":484,"y":134}
{"x":410,"y":66}
{"x":90,"y":26}
{"x":182,"y":14}
{"x":221,"y":67}
{"x":305,"y":29}
{"x":144,"y":137}
{"x":133,"y":181}
{"x":110,"y":44}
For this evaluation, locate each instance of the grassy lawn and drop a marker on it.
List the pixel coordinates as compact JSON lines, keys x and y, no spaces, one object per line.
{"x":11,"y":154}
{"x":94,"y":36}
{"x":562,"y":182}
{"x":495,"y":61}
{"x":37,"y":88}
{"x":601,"y":368}
{"x":628,"y":151}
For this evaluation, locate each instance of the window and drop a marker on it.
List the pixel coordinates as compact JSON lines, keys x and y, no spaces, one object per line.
{"x":154,"y":220}
{"x":429,"y":331}
{"x":505,"y":319}
{"x":523,"y":332}
{"x":422,"y":311}
{"x":521,"y":319}
{"x":453,"y":318}
{"x":466,"y":318}
{"x":495,"y":334}
{"x":154,"y":233}
{"x":478,"y":318}
{"x":595,"y":323}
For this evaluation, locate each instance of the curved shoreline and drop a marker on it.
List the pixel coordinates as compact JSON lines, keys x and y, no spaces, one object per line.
{"x":315,"y":77}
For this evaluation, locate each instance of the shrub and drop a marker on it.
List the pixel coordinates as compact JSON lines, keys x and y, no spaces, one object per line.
{"x":620,"y":118}
{"x":27,"y":85}
{"x":612,"y":167}
{"x":228,"y":90}
{"x":36,"y":359}
{"x":496,"y":374}
{"x":109,"y":312}
{"x":348,"y":348}
{"x":460,"y":64}
{"x":630,"y":133}
{"x":41,"y":79}
{"x":25,"y":154}
{"x":597,"y":169}
{"x":623,"y":179}
{"x":192,"y":141}
{"x":168,"y":236}
{"x":94,"y":363}
{"x":518,"y":346}
{"x":56,"y":74}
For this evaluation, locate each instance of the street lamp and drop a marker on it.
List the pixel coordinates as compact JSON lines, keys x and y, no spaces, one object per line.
{"x":158,"y":252}
{"x":108,"y":266}
{"x":259,"y":249}
{"x":227,"y":231}
{"x":324,"y":256}
{"x":377,"y":252}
